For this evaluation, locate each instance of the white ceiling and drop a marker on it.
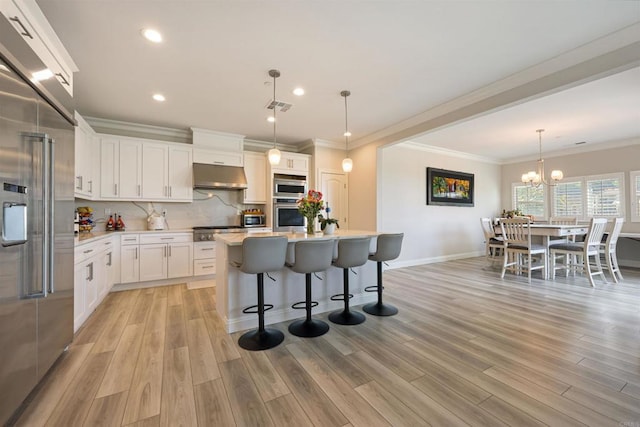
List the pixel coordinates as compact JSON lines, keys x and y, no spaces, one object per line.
{"x":398,"y":58}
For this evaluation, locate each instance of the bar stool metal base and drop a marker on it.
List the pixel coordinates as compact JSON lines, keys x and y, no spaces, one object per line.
{"x":257,"y":340}
{"x":308,"y":328}
{"x":379,"y":309}
{"x":347,"y":317}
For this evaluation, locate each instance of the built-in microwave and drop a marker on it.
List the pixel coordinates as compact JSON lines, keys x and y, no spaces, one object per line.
{"x":289,"y":186}
{"x":286,"y":216}
{"x":249,"y":220}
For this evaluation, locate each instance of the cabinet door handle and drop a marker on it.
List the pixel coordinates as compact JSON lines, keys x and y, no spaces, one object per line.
{"x":170,"y":192}
{"x":166,"y":238}
{"x":115,"y":189}
{"x":206,"y":249}
{"x":90,"y":267}
{"x":64,"y":81}
{"x":169,"y":250}
{"x":110,"y":260}
{"x":90,"y":186}
{"x":136,"y":253}
{"x":78,"y":182}
{"x":138,"y":189}
{"x":88,"y":251}
{"x":24,"y":32}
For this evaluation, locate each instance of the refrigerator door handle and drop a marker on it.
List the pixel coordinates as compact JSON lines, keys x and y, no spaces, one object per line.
{"x":47,"y":264}
{"x":52,"y":212}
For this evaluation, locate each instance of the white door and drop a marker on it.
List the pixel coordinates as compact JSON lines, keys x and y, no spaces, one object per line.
{"x":335,"y":194}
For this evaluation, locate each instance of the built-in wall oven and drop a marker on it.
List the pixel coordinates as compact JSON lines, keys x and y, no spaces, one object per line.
{"x":286,"y":216}
{"x":289,"y":186}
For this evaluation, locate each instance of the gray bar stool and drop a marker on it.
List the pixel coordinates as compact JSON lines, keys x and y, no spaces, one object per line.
{"x":351,"y":253}
{"x":388,"y":248}
{"x":311,"y":256}
{"x":261,"y":255}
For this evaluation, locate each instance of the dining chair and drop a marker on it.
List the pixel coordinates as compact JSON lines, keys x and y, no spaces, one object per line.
{"x":494,"y":245}
{"x":589,"y":248}
{"x":519,"y":251}
{"x":608,"y":249}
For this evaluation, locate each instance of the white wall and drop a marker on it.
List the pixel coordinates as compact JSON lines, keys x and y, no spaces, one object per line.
{"x":433,"y":233}
{"x":220,"y":209}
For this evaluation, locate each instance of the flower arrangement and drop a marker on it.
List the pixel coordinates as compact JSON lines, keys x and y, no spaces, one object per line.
{"x":310,"y":206}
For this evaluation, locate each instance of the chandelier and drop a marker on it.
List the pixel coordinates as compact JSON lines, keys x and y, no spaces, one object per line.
{"x":537,"y":178}
{"x":347,"y":163}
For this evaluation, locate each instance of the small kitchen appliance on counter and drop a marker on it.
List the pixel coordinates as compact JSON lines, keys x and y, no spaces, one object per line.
{"x":155,"y":221}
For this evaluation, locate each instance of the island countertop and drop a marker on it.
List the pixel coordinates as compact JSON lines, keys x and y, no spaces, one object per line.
{"x":236,"y":239}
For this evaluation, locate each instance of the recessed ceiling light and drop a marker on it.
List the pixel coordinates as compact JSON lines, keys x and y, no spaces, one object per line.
{"x":152,"y":35}
{"x":347,"y":133}
{"x":271,"y":119}
{"x":159,"y":97}
{"x":42,"y":74}
{"x":298,"y":91}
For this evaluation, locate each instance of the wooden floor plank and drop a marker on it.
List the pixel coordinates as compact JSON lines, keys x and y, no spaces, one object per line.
{"x":509,"y":414}
{"x":107,"y":411}
{"x":212,"y":404}
{"x":204,"y":366}
{"x":267,"y":381}
{"x":75,"y":403}
{"x":178,"y":402}
{"x":118,"y":376}
{"x":287,"y":412}
{"x":246,"y":404}
{"x":352,"y":405}
{"x":389,"y":406}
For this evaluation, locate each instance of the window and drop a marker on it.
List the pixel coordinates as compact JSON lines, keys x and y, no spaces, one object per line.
{"x":635,"y":195}
{"x":529,"y":200}
{"x":567,"y":198}
{"x":586,"y":197}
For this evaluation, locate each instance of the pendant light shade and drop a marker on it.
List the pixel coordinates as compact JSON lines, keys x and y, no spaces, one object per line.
{"x":347,"y":163}
{"x":274,"y":154}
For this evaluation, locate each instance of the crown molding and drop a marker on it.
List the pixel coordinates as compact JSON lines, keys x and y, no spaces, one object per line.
{"x":117,"y":127}
{"x":445,"y":151}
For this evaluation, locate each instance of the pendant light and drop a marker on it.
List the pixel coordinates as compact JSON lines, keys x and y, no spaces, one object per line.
{"x":536,"y":178}
{"x":274,"y":154}
{"x":347,"y":163}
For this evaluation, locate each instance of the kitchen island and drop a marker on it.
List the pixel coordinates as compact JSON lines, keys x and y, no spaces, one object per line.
{"x":236,"y":290}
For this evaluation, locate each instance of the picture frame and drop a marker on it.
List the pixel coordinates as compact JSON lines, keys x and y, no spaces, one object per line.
{"x":449,"y":188}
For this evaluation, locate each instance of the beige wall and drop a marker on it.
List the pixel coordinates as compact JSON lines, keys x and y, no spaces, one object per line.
{"x":363,"y":187}
{"x":610,"y":160}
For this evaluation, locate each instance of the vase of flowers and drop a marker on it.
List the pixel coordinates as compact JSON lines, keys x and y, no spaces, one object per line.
{"x":310,"y":206}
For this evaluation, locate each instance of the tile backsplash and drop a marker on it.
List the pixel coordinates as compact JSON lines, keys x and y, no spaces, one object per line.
{"x":217,"y":207}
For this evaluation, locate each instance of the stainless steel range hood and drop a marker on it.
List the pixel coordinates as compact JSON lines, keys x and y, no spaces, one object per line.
{"x":212,"y":177}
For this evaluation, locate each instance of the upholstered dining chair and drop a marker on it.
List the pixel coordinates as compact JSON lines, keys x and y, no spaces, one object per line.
{"x":519,"y":251}
{"x":608,"y":249}
{"x":589,"y":248}
{"x":493,"y":244}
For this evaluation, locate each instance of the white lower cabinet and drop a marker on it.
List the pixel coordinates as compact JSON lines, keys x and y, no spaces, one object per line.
{"x":93,"y":278}
{"x":204,"y":258}
{"x":165,"y":256}
{"x":129,"y":259}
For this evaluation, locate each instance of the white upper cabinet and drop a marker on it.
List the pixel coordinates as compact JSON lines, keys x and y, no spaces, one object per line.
{"x":86,"y":154}
{"x":180,"y":173}
{"x":293,"y":163}
{"x":29,"y":21}
{"x":255,"y":168}
{"x":139,"y":169}
{"x":217,"y":148}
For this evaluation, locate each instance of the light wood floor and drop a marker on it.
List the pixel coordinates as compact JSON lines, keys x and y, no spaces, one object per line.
{"x":466,"y":349}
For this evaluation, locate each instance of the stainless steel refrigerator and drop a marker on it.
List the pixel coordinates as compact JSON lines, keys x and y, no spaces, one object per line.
{"x":36,"y":222}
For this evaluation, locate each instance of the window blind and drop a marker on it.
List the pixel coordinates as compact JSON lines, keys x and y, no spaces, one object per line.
{"x":604,"y":197}
{"x":529,"y":200}
{"x":567,"y":199}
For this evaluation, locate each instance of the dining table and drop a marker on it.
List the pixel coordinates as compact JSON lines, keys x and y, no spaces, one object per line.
{"x":547,"y":231}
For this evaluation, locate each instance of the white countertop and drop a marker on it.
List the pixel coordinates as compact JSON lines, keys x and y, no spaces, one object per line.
{"x":236,"y":239}
{"x":82,"y":238}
